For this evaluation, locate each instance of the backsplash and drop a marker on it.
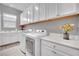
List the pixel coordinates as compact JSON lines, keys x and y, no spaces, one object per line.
{"x":50,"y":25}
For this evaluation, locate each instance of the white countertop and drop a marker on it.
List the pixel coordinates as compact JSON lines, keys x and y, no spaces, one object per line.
{"x":10,"y":32}
{"x":58,"y":38}
{"x":34,"y":35}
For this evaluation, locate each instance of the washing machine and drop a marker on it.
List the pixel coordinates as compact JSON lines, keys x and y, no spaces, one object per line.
{"x":31,"y":43}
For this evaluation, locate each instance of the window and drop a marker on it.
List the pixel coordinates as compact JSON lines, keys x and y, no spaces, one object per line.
{"x":9,"y":20}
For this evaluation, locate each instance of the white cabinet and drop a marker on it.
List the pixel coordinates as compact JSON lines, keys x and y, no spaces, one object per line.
{"x":0,"y":20}
{"x":54,"y":49}
{"x":23,"y":43}
{"x":42,"y":11}
{"x":47,"y":51}
{"x":0,"y":39}
{"x":6,"y":38}
{"x":67,"y":50}
{"x":66,"y":8}
{"x":30,"y":14}
{"x":36,"y":12}
{"x":24,"y":17}
{"x":48,"y":10}
{"x":51,"y":10}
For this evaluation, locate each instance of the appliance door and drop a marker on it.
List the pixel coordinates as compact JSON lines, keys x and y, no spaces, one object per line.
{"x":30,"y":46}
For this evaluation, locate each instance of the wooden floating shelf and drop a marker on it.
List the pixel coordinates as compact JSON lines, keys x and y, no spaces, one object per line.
{"x":57,"y":18}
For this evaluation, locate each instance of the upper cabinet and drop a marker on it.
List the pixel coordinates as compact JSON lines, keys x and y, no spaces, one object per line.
{"x":42,"y":11}
{"x":24,"y":17}
{"x":66,"y":8}
{"x":0,"y":20}
{"x":30,"y":14}
{"x":51,"y":10}
{"x":46,"y":11}
{"x":36,"y":14}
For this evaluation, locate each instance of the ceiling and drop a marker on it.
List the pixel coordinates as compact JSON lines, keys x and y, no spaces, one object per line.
{"x":20,"y":6}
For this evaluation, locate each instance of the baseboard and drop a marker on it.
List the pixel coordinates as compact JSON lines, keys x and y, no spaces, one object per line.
{"x":9,"y":44}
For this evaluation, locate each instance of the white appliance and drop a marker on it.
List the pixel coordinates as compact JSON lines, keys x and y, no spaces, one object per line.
{"x":23,"y":39}
{"x":31,"y":43}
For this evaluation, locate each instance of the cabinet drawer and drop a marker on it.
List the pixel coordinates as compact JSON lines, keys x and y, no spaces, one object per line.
{"x":49,"y":44}
{"x":67,"y":50}
{"x":47,"y":51}
{"x":62,"y":48}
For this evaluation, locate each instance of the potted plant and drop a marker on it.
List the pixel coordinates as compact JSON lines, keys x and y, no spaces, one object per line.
{"x":67,"y":28}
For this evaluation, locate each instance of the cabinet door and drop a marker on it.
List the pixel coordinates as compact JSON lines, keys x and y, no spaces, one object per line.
{"x":51,"y":10}
{"x":0,"y":20}
{"x":46,"y":51}
{"x":22,"y":42}
{"x":66,"y":8}
{"x":36,"y":12}
{"x":30,"y":14}
{"x":0,"y":39}
{"x":67,"y":50}
{"x":24,"y":17}
{"x":42,"y":11}
{"x":8,"y":38}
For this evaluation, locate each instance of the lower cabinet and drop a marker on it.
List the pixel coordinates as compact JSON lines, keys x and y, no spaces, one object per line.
{"x":54,"y":49}
{"x":47,"y":51}
{"x":7,"y":38}
{"x":23,"y":43}
{"x":0,"y":39}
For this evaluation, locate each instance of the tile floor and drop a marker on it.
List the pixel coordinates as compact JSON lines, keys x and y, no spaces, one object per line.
{"x":11,"y":51}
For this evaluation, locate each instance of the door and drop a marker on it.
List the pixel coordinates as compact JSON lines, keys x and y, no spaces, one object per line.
{"x":30,"y":45}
